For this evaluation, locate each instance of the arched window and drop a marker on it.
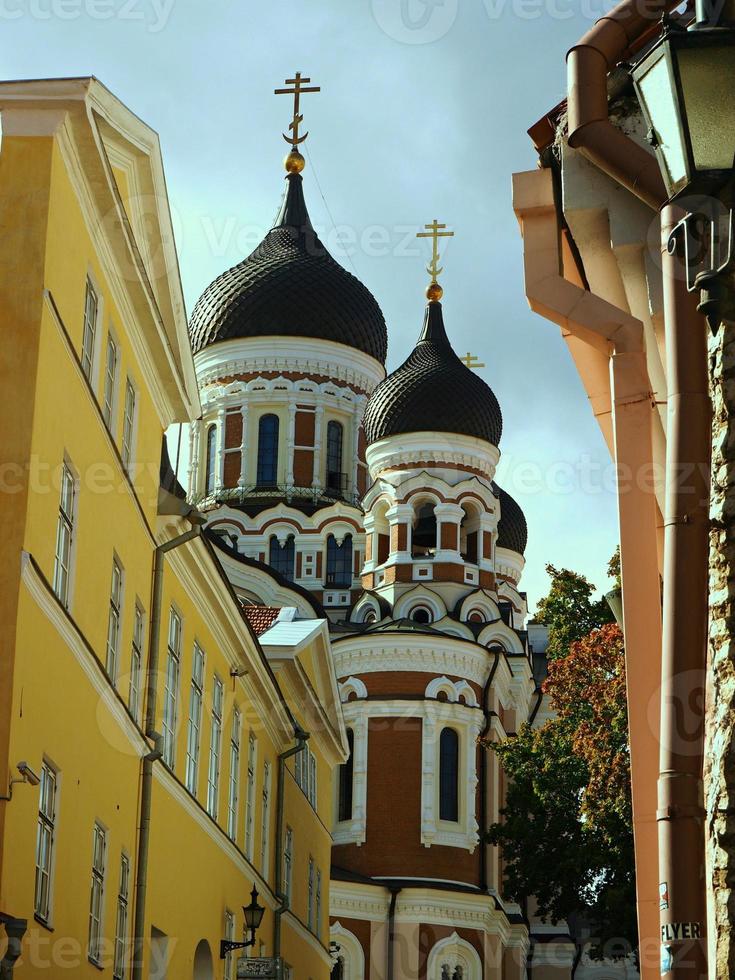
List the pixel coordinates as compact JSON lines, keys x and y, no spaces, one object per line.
{"x":281,"y":558}
{"x":335,"y":476}
{"x":423,"y":538}
{"x":420,"y":614}
{"x":345,"y":781}
{"x":267,"y":475}
{"x":211,"y":457}
{"x":339,"y":561}
{"x":449,"y":775}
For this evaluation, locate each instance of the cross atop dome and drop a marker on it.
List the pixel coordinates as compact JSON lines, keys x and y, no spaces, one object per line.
{"x":294,"y":162}
{"x":435,"y":231}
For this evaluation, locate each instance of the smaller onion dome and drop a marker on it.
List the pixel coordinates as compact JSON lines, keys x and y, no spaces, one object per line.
{"x":433,"y":391}
{"x":512,"y":527}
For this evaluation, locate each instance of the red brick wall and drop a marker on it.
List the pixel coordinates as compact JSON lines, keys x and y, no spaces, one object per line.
{"x":303,"y":467}
{"x":393,"y":841}
{"x":233,"y":430}
{"x":304,"y":430}
{"x":232,"y":469}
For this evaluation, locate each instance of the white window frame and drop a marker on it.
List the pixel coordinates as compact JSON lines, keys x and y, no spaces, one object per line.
{"x":121,"y":919}
{"x":305,"y":773}
{"x":250,"y":796}
{"x":265,"y":821}
{"x":233,"y":794}
{"x":109,"y":391}
{"x":310,"y":901}
{"x":90,"y":329}
{"x":97,"y":892}
{"x":65,"y":535}
{"x":130,"y":419}
{"x":318,"y":913}
{"x":48,"y":795}
{"x":354,"y":831}
{"x":171,"y":687}
{"x":194,"y":723}
{"x":215,"y":748}
{"x":136,"y":661}
{"x":114,"y":619}
{"x":288,"y":863}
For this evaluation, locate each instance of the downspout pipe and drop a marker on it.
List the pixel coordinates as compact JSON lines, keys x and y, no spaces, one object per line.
{"x":302,"y":738}
{"x":681,"y":816}
{"x":483,"y":770}
{"x":146,"y":788}
{"x":394,"y":892}
{"x":589,"y":128}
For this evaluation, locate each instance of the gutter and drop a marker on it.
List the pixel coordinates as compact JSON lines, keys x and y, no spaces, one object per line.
{"x":146,"y":787}
{"x":302,"y":738}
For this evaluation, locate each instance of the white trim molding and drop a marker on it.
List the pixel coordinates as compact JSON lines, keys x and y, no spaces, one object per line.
{"x":460,"y":957}
{"x":350,"y":952}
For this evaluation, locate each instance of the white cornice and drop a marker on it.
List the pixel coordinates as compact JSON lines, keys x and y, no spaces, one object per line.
{"x":436,"y":447}
{"x":411,"y":652}
{"x":296,"y":355}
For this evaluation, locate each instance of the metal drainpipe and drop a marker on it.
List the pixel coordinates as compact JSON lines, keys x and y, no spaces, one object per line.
{"x":681,"y":812}
{"x":146,"y":787}
{"x":302,"y":738}
{"x":483,"y":772}
{"x":394,"y":891}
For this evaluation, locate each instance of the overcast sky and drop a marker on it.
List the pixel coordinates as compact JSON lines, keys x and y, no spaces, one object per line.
{"x":423,"y":113}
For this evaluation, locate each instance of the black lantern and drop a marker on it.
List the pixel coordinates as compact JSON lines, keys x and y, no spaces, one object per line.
{"x":253,"y":915}
{"x":686,"y":87}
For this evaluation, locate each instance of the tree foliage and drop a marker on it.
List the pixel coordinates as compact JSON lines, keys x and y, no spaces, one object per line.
{"x":566,"y":828}
{"x":569,"y":610}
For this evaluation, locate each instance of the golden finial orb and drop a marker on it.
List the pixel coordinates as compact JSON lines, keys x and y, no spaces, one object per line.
{"x":434,"y":292}
{"x":294,"y":162}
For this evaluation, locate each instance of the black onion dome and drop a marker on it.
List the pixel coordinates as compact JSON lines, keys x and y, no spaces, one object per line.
{"x":433,"y":391}
{"x":290,"y":286}
{"x":512,"y":527}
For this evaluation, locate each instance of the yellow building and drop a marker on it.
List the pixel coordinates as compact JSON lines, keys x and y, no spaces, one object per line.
{"x":154,"y":759}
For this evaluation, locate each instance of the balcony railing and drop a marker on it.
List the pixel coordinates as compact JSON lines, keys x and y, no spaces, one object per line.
{"x":262,"y":492}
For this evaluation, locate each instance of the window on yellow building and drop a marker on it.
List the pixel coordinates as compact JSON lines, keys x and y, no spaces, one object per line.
{"x":250,"y":797}
{"x":215,"y":747}
{"x":111,"y":362}
{"x":233,"y":797}
{"x":288,"y":863}
{"x":91,"y":311}
{"x":128,"y":435}
{"x":113,"y":620}
{"x":306,"y":774}
{"x":310,"y":896}
{"x":65,"y":535}
{"x":45,"y":839}
{"x":318,"y":928}
{"x":136,"y":662}
{"x":265,"y":821}
{"x":97,"y":900}
{"x":121,"y":921}
{"x":229,"y":934}
{"x":171,"y":689}
{"x":194,"y":725}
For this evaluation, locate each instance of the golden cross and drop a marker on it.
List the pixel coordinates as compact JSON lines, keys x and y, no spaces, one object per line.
{"x":471,"y":361}
{"x":298,"y":90}
{"x":434,"y":232}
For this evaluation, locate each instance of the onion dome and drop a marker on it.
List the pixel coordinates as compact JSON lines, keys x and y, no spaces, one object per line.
{"x":512,"y":527}
{"x":290,"y":286}
{"x":433,"y":391}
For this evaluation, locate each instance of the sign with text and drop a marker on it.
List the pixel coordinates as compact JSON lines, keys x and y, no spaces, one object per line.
{"x":257,"y":966}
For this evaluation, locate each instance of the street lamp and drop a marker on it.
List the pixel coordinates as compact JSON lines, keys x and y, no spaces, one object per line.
{"x":686,"y":88}
{"x":253,"y":915}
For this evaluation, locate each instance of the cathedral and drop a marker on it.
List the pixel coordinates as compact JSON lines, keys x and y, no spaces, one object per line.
{"x":335,"y":492}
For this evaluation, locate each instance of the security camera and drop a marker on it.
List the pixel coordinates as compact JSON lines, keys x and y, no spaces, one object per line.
{"x":28,"y":774}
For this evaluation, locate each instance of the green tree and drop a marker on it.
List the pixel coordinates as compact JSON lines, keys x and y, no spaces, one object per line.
{"x":569,"y":610}
{"x":566,"y":828}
